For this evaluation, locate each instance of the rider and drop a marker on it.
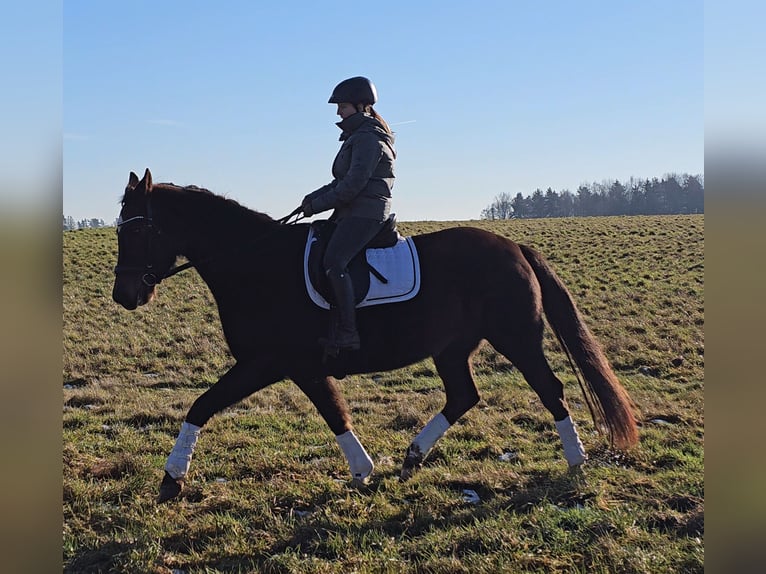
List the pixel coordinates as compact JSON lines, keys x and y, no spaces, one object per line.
{"x":360,"y":194}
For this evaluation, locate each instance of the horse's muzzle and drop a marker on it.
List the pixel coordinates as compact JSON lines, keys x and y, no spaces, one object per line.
{"x":132,"y":292}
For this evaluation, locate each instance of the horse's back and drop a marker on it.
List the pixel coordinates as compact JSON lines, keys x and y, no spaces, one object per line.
{"x":467,"y":246}
{"x":463,"y":234}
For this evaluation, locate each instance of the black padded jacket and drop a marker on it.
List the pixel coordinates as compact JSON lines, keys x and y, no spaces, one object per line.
{"x":363,"y":172}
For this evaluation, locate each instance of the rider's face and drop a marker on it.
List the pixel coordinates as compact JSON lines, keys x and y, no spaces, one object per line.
{"x":345,"y":110}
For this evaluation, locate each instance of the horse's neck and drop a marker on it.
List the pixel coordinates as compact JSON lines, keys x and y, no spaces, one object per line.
{"x":217,"y":233}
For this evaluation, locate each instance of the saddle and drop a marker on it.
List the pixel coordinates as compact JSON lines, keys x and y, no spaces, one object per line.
{"x":386,"y":271}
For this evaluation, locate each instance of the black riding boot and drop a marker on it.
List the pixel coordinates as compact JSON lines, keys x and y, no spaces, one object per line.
{"x":344,"y":335}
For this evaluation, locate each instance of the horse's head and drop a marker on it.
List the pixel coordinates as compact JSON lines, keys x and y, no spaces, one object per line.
{"x":144,"y":253}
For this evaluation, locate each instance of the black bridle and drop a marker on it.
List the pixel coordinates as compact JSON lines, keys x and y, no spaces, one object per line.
{"x":150,"y":278}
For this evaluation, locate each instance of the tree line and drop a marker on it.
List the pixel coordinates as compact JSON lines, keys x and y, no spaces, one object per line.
{"x":673,"y":194}
{"x":70,"y":224}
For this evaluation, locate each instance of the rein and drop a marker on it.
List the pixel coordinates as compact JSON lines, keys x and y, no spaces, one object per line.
{"x":150,"y":278}
{"x":297,"y":211}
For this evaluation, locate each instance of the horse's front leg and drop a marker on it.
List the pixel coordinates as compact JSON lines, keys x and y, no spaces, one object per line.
{"x":328,"y":400}
{"x":242,"y":380}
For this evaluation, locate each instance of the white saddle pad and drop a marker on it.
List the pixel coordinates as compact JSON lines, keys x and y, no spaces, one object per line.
{"x":399,"y":264}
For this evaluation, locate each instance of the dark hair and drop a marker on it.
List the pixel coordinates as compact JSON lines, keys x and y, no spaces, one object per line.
{"x":368,"y":109}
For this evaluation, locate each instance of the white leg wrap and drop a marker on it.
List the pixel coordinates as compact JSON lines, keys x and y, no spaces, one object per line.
{"x":181,"y":455}
{"x":359,"y":461}
{"x":574,"y":451}
{"x":432,"y":432}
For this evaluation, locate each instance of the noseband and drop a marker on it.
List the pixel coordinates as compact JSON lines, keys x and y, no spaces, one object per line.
{"x":150,"y":278}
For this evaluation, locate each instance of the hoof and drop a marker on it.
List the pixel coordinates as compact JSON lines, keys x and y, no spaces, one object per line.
{"x":362,"y":478}
{"x":576,"y":469}
{"x":577,"y":460}
{"x":413,"y":460}
{"x":359,"y":482}
{"x":169,"y":489}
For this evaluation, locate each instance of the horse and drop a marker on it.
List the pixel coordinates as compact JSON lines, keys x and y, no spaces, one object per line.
{"x":475,"y":286}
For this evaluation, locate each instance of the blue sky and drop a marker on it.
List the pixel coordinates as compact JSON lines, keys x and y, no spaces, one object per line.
{"x":485,"y":97}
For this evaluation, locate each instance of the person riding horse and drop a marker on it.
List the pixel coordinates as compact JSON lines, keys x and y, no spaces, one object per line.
{"x":359,"y":194}
{"x":481,"y":287}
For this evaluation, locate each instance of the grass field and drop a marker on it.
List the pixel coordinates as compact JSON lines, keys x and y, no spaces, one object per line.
{"x":268,"y":488}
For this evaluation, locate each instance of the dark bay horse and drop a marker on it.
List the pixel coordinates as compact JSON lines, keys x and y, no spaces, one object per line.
{"x":475,"y":286}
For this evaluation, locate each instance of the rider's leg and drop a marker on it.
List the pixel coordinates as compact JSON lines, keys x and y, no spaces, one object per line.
{"x":349,"y":238}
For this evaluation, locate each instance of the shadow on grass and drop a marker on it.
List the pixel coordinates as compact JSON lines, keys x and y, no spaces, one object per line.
{"x":317,"y":535}
{"x":103,"y":559}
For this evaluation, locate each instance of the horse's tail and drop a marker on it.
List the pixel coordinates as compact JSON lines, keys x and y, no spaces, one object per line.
{"x":613,"y":405}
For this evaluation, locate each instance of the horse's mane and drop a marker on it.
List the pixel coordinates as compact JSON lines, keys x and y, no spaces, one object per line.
{"x":215,"y":207}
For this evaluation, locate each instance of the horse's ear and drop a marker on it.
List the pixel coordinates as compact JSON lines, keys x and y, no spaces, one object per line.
{"x":147,"y":180}
{"x":132,"y":181}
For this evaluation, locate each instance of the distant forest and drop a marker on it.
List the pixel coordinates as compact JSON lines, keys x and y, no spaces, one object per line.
{"x":672,"y":194}
{"x":70,"y":224}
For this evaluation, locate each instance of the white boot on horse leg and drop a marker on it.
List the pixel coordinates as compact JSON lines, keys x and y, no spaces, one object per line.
{"x":422,"y":445}
{"x":179,"y":461}
{"x":359,"y":462}
{"x":574,"y":451}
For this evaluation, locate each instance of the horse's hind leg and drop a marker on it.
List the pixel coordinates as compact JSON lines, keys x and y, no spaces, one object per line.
{"x":454,"y":367}
{"x":525,"y":351}
{"x":328,"y":400}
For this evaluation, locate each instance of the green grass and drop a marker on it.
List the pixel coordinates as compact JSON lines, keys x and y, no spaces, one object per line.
{"x":268,"y":489}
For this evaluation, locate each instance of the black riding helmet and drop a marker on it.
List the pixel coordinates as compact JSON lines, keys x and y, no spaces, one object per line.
{"x":356,"y":90}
